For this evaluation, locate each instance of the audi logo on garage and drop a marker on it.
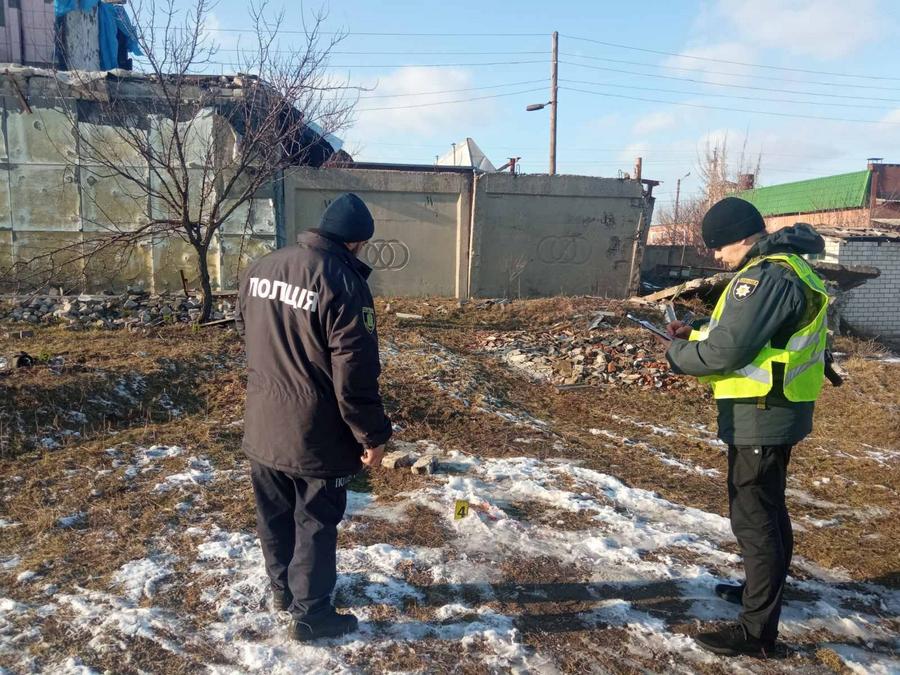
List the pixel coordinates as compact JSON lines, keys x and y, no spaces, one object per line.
{"x":572,"y":249}
{"x":386,"y":255}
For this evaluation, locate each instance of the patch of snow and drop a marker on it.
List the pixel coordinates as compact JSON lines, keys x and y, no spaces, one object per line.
{"x":199,"y":472}
{"x":864,"y":662}
{"x":140,"y":578}
{"x":26,"y":576}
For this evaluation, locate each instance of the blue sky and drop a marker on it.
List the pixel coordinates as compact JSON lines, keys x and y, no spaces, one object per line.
{"x":657,"y":105}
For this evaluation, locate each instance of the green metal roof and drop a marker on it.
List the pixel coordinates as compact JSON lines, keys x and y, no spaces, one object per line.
{"x":845,"y":191}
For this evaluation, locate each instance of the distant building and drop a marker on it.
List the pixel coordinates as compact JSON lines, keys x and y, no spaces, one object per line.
{"x":851,"y":200}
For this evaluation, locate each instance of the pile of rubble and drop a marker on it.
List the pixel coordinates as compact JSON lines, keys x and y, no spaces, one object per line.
{"x":135,"y":307}
{"x":595,"y":354}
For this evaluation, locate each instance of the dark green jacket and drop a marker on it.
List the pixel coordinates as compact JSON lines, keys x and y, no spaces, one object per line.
{"x":776,"y":307}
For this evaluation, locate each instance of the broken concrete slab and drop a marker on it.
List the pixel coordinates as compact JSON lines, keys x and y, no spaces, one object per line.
{"x":844,"y":277}
{"x":425,"y":465}
{"x":399,"y":459}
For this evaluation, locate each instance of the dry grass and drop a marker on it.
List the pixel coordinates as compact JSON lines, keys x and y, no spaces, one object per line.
{"x":202,"y":375}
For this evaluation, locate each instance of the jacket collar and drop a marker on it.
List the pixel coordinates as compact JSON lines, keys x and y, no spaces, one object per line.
{"x":325,"y":241}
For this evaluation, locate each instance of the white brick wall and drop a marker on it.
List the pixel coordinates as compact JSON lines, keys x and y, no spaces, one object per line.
{"x":874,"y":307}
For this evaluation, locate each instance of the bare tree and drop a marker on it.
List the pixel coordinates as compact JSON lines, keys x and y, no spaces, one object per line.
{"x":193,"y":149}
{"x":719,"y":177}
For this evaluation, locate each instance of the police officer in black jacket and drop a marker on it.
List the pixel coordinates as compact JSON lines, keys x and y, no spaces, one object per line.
{"x":313,"y":413}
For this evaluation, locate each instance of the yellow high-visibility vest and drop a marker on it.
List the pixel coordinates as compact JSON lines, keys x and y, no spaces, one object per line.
{"x":803,"y":356}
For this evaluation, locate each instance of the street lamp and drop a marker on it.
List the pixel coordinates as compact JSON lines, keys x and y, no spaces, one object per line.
{"x":554,"y":99}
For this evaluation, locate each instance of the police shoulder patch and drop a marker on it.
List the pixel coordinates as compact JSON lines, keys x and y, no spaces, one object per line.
{"x":368,"y":314}
{"x":744,"y":287}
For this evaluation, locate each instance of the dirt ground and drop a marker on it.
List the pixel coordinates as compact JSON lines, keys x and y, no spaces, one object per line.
{"x":91,"y":396}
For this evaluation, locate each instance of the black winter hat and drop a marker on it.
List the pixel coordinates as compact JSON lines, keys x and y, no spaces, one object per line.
{"x":348,"y":218}
{"x":731,"y":220}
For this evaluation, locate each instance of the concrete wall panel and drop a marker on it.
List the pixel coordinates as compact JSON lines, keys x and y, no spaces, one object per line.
{"x":45,"y":252}
{"x":6,"y":255}
{"x":44,"y":198}
{"x":111,"y":203}
{"x":172,"y":255}
{"x":115,"y":268}
{"x":421,"y":224}
{"x":43,"y":136}
{"x":547,"y":235}
{"x":5,"y":214}
{"x":237,"y":253}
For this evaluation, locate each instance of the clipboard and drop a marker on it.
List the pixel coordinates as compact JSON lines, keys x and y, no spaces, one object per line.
{"x":646,"y":325}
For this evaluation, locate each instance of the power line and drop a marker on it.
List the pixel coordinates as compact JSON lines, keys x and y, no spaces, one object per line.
{"x":732,"y":86}
{"x":740,"y":110}
{"x":363,"y":33}
{"x":464,"y":100}
{"x":251,"y":50}
{"x":733,"y":63}
{"x":455,"y":91}
{"x":746,"y":98}
{"x":663,"y":66}
{"x":234,"y":64}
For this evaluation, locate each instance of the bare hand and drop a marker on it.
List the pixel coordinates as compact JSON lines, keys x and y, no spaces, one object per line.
{"x":372,"y":456}
{"x":679,"y":329}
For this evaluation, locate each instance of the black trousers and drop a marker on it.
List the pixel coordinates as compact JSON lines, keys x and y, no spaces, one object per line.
{"x":296,"y":520}
{"x":757,"y":476}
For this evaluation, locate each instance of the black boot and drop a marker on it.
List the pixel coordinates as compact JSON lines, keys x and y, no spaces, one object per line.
{"x":323,"y":625}
{"x":281,"y":599}
{"x":733,"y":593}
{"x":733,"y":640}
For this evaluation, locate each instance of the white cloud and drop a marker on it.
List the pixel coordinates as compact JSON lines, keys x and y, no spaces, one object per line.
{"x":654,"y":122}
{"x":823,"y":29}
{"x":716,"y":73}
{"x":386,"y":120}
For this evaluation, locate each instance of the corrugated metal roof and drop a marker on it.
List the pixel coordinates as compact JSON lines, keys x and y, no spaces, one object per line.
{"x":844,"y":191}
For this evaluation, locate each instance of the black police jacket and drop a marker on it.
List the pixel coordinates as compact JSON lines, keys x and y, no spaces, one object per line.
{"x":308,"y":321}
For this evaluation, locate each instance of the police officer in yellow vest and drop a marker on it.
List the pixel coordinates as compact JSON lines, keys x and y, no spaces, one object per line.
{"x":763,"y":353}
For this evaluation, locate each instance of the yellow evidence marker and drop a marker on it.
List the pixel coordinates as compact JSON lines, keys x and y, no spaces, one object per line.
{"x":461,"y":510}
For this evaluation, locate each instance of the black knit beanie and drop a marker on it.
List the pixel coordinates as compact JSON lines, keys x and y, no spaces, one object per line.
{"x":731,"y":220}
{"x":348,"y":219}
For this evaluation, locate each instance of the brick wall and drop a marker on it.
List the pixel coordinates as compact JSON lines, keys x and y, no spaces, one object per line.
{"x":874,"y":307}
{"x":850,"y":218}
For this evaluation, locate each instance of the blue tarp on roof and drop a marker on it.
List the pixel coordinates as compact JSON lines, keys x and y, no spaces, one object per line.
{"x":63,"y":7}
{"x":112,"y":21}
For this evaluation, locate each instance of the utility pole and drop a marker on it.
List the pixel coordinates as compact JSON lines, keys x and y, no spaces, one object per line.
{"x":677,"y":221}
{"x":677,"y":197}
{"x":554,"y":92}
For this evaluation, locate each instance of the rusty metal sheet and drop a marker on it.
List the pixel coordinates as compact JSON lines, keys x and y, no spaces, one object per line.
{"x":44,"y":198}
